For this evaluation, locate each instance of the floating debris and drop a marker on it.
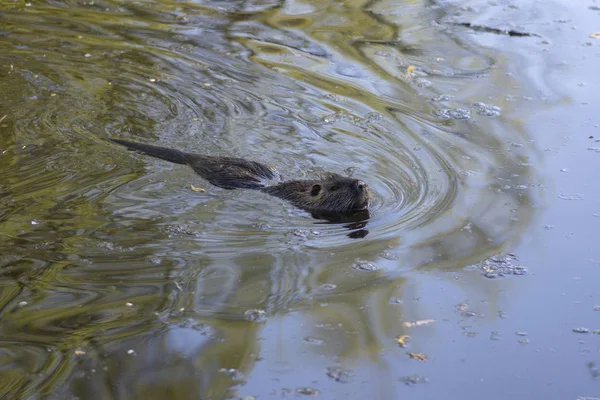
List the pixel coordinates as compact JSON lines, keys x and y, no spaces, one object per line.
{"x":418,"y":356}
{"x":313,"y":340}
{"x":486,"y":110}
{"x":197,"y":188}
{"x":402,"y":340}
{"x":469,"y":314}
{"x":332,"y":118}
{"x":496,"y":31}
{"x":410,"y":324}
{"x":79,"y":352}
{"x":362,"y":265}
{"x":369,"y":119}
{"x":388,"y":255}
{"x":308,"y":391}
{"x":130,"y":351}
{"x":595,"y":35}
{"x":443,"y":97}
{"x":255,"y":315}
{"x":453,"y":113}
{"x":328,"y":286}
{"x":422,"y":82}
{"x":520,"y":333}
{"x":575,"y":196}
{"x":499,"y":265}
{"x":411,"y":380}
{"x":340,"y":375}
{"x":233,"y":373}
{"x":581,"y":330}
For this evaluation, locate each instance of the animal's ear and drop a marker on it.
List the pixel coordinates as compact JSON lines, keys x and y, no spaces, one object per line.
{"x":315,"y":190}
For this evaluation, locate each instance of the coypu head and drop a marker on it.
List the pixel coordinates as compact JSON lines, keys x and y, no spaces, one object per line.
{"x":332,"y":194}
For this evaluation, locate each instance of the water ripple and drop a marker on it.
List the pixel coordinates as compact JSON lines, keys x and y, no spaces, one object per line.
{"x":103,"y":245}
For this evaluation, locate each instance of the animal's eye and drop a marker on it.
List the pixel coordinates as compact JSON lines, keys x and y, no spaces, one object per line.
{"x":315,"y":190}
{"x":334,"y":188}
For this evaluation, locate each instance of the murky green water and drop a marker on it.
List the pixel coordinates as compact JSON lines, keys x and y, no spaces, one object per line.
{"x":118,"y":281}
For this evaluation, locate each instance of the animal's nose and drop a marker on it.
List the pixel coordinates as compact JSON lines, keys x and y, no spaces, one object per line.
{"x":360,"y":185}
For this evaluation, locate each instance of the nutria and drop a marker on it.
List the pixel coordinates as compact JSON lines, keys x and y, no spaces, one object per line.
{"x":330,"y":195}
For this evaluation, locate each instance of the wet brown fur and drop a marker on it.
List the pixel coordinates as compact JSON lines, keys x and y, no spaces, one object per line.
{"x":331,"y":194}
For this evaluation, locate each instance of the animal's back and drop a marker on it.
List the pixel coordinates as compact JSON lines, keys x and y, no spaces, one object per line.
{"x":233,"y":173}
{"x":224,"y":172}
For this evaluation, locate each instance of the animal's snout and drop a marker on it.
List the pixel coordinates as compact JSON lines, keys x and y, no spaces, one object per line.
{"x":360,"y":186}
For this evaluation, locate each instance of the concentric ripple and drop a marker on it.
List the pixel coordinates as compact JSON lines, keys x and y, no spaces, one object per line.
{"x":103,"y":245}
{"x":201,"y":78}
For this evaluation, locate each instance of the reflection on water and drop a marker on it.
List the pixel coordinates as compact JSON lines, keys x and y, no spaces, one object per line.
{"x":118,"y":281}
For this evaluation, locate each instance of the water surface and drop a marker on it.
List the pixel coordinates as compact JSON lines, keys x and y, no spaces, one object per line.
{"x":119,"y":281}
